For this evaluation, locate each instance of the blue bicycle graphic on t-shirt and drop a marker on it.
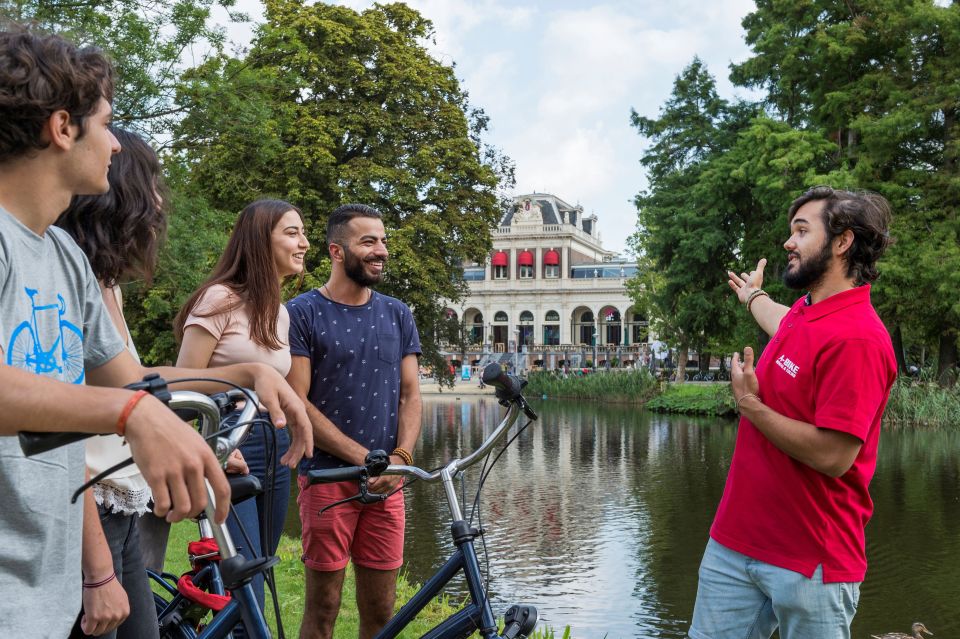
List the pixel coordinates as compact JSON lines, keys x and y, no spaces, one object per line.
{"x":64,"y":358}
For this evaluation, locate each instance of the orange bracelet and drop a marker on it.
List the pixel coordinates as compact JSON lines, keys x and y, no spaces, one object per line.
{"x":127,"y":409}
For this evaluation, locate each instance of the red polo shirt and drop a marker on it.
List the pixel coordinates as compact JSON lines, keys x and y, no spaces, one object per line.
{"x":830,"y":364}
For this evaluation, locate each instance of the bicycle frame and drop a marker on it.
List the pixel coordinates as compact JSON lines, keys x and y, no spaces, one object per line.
{"x":243,"y":604}
{"x":477,"y":616}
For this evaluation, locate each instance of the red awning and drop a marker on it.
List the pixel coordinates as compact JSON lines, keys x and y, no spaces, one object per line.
{"x":551,"y":258}
{"x":525,"y":258}
{"x":499,"y":259}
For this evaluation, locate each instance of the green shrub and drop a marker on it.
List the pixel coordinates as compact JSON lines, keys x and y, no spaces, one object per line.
{"x":695,"y":399}
{"x":618,"y":385}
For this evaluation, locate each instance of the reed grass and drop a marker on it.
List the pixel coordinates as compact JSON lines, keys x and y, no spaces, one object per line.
{"x":614,"y":385}
{"x":922,"y":405}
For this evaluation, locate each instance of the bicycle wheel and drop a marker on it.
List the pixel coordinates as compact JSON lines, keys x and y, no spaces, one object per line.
{"x":72,"y":352}
{"x":20,"y":352}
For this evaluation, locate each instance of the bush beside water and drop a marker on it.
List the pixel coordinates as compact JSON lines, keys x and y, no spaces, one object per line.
{"x":614,"y":385}
{"x":911,"y":404}
{"x":923,"y":404}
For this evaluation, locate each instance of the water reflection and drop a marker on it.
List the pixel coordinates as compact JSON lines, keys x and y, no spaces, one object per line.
{"x":598,"y":515}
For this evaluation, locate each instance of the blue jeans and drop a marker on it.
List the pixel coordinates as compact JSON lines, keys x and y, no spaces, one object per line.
{"x":252,"y":513}
{"x":743,"y":598}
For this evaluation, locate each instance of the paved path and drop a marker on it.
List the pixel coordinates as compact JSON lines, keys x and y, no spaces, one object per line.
{"x":429,"y":387}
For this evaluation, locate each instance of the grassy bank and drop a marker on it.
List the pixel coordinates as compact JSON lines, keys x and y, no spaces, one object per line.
{"x":289,"y":578}
{"x":912,"y":404}
{"x":695,"y":399}
{"x":619,"y":386}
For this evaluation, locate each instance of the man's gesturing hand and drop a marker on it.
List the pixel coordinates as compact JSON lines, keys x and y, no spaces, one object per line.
{"x":746,"y":283}
{"x":175,"y":460}
{"x":743,"y":377}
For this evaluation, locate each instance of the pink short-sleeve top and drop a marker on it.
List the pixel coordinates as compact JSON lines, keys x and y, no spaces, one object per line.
{"x":232,"y":330}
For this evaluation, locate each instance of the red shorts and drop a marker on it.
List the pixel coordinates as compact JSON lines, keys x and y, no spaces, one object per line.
{"x":371,"y":535}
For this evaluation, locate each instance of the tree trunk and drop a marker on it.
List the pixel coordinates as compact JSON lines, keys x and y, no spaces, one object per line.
{"x":897,"y":338}
{"x":947,"y":359}
{"x":704,"y":362}
{"x":681,"y":362}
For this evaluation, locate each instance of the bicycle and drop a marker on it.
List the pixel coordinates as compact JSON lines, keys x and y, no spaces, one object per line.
{"x":222,"y":580}
{"x":66,"y":353}
{"x":477,"y":616}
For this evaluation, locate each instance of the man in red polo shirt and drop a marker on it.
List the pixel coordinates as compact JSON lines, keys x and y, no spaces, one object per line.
{"x":787,"y":547}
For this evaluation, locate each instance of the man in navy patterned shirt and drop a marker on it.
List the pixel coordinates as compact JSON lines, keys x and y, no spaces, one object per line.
{"x":355,"y":360}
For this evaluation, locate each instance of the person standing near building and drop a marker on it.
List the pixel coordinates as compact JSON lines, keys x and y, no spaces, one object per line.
{"x":355,"y":363}
{"x":786,"y":547}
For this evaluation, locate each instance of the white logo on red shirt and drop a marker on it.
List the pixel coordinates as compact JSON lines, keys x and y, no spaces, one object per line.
{"x":788,"y":366}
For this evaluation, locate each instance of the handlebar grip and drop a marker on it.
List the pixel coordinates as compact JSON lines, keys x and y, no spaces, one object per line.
{"x":504,"y":382}
{"x":32,"y":443}
{"x":331,"y":475}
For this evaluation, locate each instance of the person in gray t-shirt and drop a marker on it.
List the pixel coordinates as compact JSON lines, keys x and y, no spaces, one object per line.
{"x":55,"y":337}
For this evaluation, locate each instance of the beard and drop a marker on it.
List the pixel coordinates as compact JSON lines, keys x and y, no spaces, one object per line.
{"x":807,"y":273}
{"x":353,"y":266}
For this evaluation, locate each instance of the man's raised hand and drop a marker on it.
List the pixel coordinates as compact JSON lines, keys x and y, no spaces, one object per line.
{"x":746,"y":283}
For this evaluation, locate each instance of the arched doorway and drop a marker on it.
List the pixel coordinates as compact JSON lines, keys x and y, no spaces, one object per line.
{"x":501,"y":331}
{"x":525,"y":330}
{"x":611,"y":329}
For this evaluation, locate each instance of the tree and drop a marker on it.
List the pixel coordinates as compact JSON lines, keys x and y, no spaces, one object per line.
{"x":147,"y":43}
{"x":333,"y":106}
{"x":683,"y":238}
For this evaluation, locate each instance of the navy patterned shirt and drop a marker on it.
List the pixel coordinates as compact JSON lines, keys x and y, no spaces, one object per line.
{"x":355,"y":354}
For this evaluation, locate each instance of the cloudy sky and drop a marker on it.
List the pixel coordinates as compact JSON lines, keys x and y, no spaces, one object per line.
{"x":558,"y":79}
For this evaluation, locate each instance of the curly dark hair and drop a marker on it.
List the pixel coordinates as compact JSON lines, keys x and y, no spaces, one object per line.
{"x":121,"y":230}
{"x":42,"y":74}
{"x":866,"y":214}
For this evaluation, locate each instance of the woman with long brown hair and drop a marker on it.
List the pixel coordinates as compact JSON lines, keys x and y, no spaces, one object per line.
{"x":237,"y":316}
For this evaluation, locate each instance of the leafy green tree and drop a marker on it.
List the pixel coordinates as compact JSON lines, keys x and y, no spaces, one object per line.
{"x":332,"y":106}
{"x":147,"y":42}
{"x":686,"y":241}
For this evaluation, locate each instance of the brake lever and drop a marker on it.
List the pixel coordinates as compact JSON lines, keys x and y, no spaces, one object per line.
{"x":364,"y":496}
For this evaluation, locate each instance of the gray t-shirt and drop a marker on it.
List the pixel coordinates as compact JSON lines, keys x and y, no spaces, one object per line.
{"x":53,"y":323}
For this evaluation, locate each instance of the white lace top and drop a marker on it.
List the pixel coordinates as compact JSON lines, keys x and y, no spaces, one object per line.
{"x":125,"y":491}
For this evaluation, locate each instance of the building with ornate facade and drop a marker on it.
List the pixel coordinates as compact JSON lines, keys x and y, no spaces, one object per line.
{"x":549,"y":293}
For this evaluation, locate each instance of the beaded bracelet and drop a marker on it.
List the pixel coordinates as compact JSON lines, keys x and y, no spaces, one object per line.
{"x":102,"y":582}
{"x":404,"y":455}
{"x":753,"y":296}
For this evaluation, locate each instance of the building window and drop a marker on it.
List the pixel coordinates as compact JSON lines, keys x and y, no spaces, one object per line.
{"x":500,"y":272}
{"x":551,"y":334}
{"x":500,"y":316}
{"x":552,"y":316}
{"x":526,"y":272}
{"x":551,"y":271}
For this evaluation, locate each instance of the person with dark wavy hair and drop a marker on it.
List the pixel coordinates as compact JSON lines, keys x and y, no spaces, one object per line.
{"x":66,"y":365}
{"x":786,"y":548}
{"x":236,"y":315}
{"x":119,"y":231}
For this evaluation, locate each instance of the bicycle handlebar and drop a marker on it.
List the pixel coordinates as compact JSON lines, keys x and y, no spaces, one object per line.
{"x":208,"y":409}
{"x":508,"y":392}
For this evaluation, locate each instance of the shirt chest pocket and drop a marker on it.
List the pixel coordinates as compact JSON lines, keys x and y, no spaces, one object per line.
{"x":388,"y":347}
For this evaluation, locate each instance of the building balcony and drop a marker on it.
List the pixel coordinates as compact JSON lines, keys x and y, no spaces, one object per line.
{"x":546,"y":230}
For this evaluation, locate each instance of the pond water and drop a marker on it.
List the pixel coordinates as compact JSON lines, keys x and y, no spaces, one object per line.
{"x":599,"y":513}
